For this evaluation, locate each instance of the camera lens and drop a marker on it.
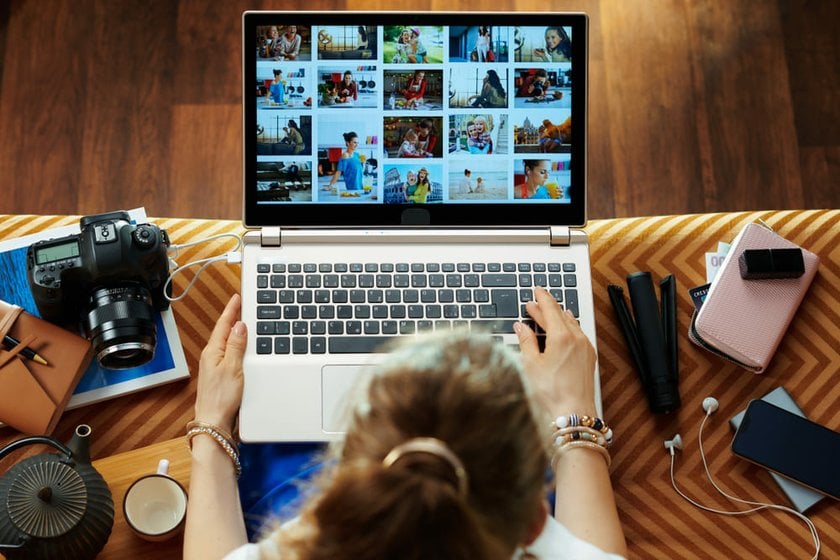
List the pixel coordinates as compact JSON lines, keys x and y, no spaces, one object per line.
{"x":120,"y":323}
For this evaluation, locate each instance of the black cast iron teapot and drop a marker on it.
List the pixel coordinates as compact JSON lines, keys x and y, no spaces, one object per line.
{"x":54,"y":505}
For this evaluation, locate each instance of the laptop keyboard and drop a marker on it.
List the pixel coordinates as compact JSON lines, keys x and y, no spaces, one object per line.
{"x":339,"y":308}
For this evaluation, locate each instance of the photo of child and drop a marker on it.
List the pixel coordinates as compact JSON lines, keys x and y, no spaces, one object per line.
{"x":284,"y":43}
{"x":478,"y":180}
{"x":478,"y":43}
{"x":478,"y":134}
{"x":347,"y":42}
{"x":412,"y":44}
{"x":412,"y":137}
{"x":477,"y":87}
{"x":284,"y":181}
{"x":412,"y":184}
{"x":416,"y":90}
{"x":552,"y":44}
{"x":339,"y":87}
{"x":542,"y":179}
{"x":544,"y":85}
{"x":546,"y":132}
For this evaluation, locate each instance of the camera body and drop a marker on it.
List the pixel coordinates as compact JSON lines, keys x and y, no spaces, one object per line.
{"x":111,"y":278}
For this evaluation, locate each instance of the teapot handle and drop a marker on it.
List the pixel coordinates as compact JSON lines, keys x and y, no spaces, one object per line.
{"x":31,"y":440}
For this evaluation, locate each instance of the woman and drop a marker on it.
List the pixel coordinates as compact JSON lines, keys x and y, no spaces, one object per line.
{"x":289,"y":47}
{"x":294,"y":137}
{"x":536,"y":174}
{"x":424,"y":187}
{"x":482,"y":43}
{"x":347,"y":87}
{"x":414,"y":90}
{"x":558,"y":46}
{"x":277,"y":90}
{"x":350,"y":165}
{"x":492,"y":93}
{"x":444,"y":457}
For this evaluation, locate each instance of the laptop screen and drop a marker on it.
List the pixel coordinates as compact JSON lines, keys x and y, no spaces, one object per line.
{"x":444,"y":119}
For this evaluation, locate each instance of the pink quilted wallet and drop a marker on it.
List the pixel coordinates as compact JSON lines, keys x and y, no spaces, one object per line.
{"x":744,"y":320}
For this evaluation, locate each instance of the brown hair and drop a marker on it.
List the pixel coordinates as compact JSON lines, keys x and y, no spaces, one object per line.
{"x":466,"y":391}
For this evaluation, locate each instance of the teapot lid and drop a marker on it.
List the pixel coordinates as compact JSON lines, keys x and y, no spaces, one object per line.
{"x":47,"y":499}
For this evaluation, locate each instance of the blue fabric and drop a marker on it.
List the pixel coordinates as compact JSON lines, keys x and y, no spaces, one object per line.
{"x":351,"y":171}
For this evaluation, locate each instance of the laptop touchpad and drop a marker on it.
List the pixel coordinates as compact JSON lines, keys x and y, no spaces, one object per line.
{"x":337,"y":383}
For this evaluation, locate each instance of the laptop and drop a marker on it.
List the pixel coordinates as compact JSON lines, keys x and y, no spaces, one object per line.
{"x":403,"y":172}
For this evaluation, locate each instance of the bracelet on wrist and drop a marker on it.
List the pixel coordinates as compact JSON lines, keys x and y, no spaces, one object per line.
{"x":228,"y":446}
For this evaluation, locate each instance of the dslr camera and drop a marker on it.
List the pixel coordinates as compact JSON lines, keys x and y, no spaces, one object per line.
{"x":109,"y":278}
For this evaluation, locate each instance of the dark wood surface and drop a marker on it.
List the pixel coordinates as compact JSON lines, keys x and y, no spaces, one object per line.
{"x":695,"y":106}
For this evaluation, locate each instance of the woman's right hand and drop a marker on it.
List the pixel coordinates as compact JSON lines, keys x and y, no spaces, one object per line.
{"x":563,"y":374}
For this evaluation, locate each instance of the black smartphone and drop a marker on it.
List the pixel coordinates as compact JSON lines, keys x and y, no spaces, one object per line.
{"x":790,"y":445}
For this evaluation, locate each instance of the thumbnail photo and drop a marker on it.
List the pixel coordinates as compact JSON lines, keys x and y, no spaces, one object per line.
{"x":545,"y":132}
{"x":478,"y":134}
{"x":412,"y":137}
{"x":420,"y":90}
{"x":284,"y":181}
{"x":419,"y":183}
{"x":476,"y":180}
{"x":347,"y":42}
{"x":478,"y":87}
{"x":478,"y":43}
{"x":412,"y":45}
{"x":284,"y":42}
{"x":340,"y":86}
{"x":538,"y":44}
{"x":282,"y":86}
{"x":347,"y":166}
{"x":543,"y":86}
{"x":283,"y":134}
{"x":542,"y":179}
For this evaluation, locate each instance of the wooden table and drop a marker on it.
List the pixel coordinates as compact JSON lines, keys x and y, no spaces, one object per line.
{"x":131,"y":433}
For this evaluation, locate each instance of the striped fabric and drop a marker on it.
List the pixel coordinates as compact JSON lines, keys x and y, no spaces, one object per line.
{"x":658,"y":523}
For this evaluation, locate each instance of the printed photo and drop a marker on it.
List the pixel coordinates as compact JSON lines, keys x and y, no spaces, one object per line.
{"x":542,"y":179}
{"x":282,"y":86}
{"x":412,"y":45}
{"x":542,"y":44}
{"x":478,"y":87}
{"x":347,"y":165}
{"x":347,"y":42}
{"x":283,"y":134}
{"x":412,"y":137}
{"x":546,"y":132}
{"x":406,"y":183}
{"x":478,"y":134}
{"x":284,"y":181}
{"x":284,"y":42}
{"x":416,"y":90}
{"x":550,"y":87}
{"x":340,"y":86}
{"x":478,"y":180}
{"x":478,"y":43}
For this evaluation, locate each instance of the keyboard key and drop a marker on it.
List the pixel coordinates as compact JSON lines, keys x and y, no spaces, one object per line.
{"x":325,"y":267}
{"x":269,"y":312}
{"x":300,"y":327}
{"x":380,"y":312}
{"x":498,"y":280}
{"x":415,"y":312}
{"x":572,"y":302}
{"x":371,"y":267}
{"x":293,"y":267}
{"x":322,"y":296}
{"x":318,"y":327}
{"x":278,"y":281}
{"x":262,"y":281}
{"x":500,"y":326}
{"x":263,"y":268}
{"x":282,"y":345}
{"x":570,"y":280}
{"x":335,"y":327}
{"x":568,"y":267}
{"x":344,"y":311}
{"x":371,"y":327}
{"x":356,"y":344}
{"x":264,"y":345}
{"x":286,"y":296}
{"x":509,"y":267}
{"x":389,"y":327}
{"x":318,"y":345}
{"x":408,"y":327}
{"x":295,"y":281}
{"x":506,"y":303}
{"x":278,"y":267}
{"x":300,"y":345}
{"x":425,"y":326}
{"x":291,"y":312}
{"x":303,"y":296}
{"x":266,"y":296}
{"x":308,"y":312}
{"x":353,"y":327}
{"x":326,"y":312}
{"x":265,"y":327}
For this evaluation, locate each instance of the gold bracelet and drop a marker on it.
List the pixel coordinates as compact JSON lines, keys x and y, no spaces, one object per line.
{"x":566,"y":435}
{"x":560,"y":449}
{"x":199,"y":424}
{"x":223,"y":442}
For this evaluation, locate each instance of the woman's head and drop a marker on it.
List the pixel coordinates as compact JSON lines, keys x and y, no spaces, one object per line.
{"x":423,"y":175}
{"x":467,"y":392}
{"x":494,"y":80}
{"x":556,"y":39}
{"x":348,"y":76}
{"x":536,"y":170}
{"x":419,"y":75}
{"x":277,"y":73}
{"x":351,"y":139}
{"x":293,"y":124}
{"x":291,"y":31}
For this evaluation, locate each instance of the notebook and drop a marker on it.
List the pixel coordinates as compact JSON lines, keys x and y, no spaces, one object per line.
{"x":403,"y":172}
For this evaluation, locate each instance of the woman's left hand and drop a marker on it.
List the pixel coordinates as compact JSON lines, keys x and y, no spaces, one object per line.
{"x":219,"y":391}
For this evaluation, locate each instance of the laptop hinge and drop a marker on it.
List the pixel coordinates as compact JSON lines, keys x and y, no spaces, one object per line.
{"x":560,"y":236}
{"x":270,"y":236}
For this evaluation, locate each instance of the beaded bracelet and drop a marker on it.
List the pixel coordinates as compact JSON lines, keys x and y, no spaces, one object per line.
{"x":567,"y":435}
{"x":199,"y":424}
{"x":223,"y":442}
{"x":585,"y":421}
{"x":559,"y":450}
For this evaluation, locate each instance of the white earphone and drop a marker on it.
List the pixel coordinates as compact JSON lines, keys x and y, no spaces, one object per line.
{"x":710,"y":405}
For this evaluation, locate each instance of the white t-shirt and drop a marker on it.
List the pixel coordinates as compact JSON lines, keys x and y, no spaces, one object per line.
{"x":554,"y":543}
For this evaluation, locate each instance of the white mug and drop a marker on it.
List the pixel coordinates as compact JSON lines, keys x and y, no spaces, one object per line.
{"x":155,"y":505}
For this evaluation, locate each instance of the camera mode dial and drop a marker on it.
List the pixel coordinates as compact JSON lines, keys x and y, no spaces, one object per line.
{"x":144,"y":237}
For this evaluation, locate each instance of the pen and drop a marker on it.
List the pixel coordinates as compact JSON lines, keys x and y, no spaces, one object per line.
{"x":10,"y":342}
